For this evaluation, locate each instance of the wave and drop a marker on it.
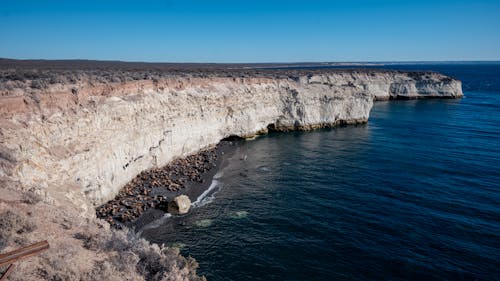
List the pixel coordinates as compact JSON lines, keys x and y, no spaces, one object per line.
{"x":218,"y":175}
{"x":205,"y":198}
{"x":209,"y":195}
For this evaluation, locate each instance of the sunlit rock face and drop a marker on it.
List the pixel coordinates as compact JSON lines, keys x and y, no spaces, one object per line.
{"x":180,"y":205}
{"x":82,"y":142}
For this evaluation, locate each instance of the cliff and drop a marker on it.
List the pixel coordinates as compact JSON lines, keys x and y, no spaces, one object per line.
{"x":77,"y":143}
{"x":95,"y":138}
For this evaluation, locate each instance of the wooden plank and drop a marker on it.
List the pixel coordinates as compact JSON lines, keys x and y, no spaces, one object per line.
{"x":7,"y":272}
{"x":11,"y":257}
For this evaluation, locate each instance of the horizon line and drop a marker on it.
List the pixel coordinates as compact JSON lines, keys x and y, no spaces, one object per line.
{"x":268,"y":62}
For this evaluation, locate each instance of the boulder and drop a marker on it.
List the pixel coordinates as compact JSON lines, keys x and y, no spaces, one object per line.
{"x":180,"y":205}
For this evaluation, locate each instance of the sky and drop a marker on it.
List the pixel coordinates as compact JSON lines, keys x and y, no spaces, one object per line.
{"x":251,"y":30}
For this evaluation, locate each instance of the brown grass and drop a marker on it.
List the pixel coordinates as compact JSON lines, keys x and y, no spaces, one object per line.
{"x":83,"y":249}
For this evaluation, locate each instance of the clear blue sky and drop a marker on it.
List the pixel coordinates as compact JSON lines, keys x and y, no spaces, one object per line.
{"x":251,"y":30}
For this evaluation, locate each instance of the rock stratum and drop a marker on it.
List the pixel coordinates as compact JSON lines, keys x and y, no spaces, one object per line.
{"x":70,"y":144}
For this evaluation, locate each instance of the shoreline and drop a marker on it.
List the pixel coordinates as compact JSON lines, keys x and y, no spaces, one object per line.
{"x":145,"y":198}
{"x":75,"y":143}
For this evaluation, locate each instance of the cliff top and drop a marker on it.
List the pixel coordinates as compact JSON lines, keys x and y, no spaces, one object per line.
{"x":40,"y":74}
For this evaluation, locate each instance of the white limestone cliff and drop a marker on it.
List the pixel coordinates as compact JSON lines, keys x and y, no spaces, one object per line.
{"x":81,"y":143}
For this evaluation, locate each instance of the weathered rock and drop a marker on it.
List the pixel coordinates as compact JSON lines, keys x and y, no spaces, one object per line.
{"x":78,"y":144}
{"x":90,"y":150}
{"x":180,"y":205}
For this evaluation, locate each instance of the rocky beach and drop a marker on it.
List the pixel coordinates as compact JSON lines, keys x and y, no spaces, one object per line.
{"x":153,"y":189}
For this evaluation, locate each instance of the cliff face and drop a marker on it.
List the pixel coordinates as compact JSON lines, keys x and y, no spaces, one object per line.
{"x":75,"y":143}
{"x":396,"y":85}
{"x":82,"y":143}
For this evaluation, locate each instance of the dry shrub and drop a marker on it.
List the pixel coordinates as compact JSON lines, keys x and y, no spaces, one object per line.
{"x":13,"y":226}
{"x":149,"y":260}
{"x":134,"y":258}
{"x":102,"y":254}
{"x":59,"y":263}
{"x":31,"y":198}
{"x":103,"y":270}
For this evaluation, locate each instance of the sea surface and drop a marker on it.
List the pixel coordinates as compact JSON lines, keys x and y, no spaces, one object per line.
{"x":412,"y":195}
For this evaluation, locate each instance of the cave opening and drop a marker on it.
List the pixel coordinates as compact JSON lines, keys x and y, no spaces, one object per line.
{"x":232,"y":138}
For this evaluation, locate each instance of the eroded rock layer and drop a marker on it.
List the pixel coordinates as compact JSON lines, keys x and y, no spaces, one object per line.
{"x":84,"y":142}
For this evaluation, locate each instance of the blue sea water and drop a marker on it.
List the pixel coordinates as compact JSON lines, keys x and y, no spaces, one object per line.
{"x":412,"y":195}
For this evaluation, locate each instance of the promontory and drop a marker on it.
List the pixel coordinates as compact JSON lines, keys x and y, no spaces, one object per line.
{"x":73,"y":133}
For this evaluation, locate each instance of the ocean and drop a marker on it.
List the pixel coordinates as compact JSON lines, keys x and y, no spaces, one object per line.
{"x":412,"y":195}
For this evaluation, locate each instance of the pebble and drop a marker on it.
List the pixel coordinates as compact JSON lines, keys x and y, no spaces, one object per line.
{"x":134,"y":198}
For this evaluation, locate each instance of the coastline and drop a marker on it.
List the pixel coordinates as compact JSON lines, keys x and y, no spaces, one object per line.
{"x":145,"y":198}
{"x":74,"y":146}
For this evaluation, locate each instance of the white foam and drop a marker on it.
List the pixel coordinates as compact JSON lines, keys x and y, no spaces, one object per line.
{"x":204,"y":198}
{"x":177,"y":245}
{"x":155,"y":223}
{"x":204,"y":223}
{"x":239,"y":215}
{"x":218,"y":175}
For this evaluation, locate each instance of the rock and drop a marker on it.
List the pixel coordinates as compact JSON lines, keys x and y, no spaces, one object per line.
{"x":310,"y":100}
{"x":180,"y":205}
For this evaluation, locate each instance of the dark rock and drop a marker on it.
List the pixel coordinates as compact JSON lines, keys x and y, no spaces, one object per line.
{"x":135,"y":198}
